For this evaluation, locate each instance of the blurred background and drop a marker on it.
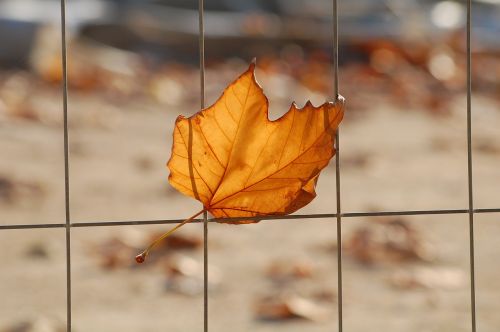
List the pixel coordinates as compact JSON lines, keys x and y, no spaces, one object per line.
{"x":134,"y":66}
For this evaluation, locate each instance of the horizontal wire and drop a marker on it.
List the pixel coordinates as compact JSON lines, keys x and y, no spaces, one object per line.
{"x":32,"y":226}
{"x":263,"y":218}
{"x":486,"y":210}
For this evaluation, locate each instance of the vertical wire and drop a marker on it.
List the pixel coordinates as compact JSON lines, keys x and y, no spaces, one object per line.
{"x":337,"y":169}
{"x":335,"y":50}
{"x":339,"y":235}
{"x":205,"y":272}
{"x":469,"y":169}
{"x":66,"y":164}
{"x":201,"y":46}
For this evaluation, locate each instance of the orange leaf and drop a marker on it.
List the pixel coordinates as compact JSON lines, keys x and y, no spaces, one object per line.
{"x":238,"y":163}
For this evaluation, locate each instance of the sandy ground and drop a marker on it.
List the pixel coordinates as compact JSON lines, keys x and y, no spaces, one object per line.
{"x":391,"y":160}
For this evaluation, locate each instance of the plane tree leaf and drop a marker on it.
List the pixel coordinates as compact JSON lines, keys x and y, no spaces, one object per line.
{"x":238,"y":163}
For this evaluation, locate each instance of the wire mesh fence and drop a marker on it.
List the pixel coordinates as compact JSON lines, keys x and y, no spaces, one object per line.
{"x":337,"y":216}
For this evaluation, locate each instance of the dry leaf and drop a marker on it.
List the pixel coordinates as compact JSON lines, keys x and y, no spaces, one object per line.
{"x":185,"y":276}
{"x":38,"y":250}
{"x":325,"y":296}
{"x":179,"y":242}
{"x":486,"y":146}
{"x":115,"y":252}
{"x":290,"y":307}
{"x":40,"y":324}
{"x":284,"y":271}
{"x":238,"y":163}
{"x":390,"y":241}
{"x":14,"y":191}
{"x":437,"y":278}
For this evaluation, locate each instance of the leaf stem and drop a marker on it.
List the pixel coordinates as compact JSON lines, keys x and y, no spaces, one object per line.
{"x":142,"y":256}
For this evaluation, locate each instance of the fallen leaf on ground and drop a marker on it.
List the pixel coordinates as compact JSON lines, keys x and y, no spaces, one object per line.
{"x":325,"y":295}
{"x":359,"y":160}
{"x":185,"y":276}
{"x":389,"y":241}
{"x":179,"y":242}
{"x":6,"y":189}
{"x":284,"y":271}
{"x":290,"y":307}
{"x":427,"y":278}
{"x":41,"y":324}
{"x":115,"y":252}
{"x":38,"y":250}
{"x":15,"y":191}
{"x":486,"y":146}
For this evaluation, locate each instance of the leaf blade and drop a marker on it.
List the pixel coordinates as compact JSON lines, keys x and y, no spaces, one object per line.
{"x":242,"y":163}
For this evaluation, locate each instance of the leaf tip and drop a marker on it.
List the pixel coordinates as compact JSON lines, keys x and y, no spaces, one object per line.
{"x":179,"y":118}
{"x":253,"y":64}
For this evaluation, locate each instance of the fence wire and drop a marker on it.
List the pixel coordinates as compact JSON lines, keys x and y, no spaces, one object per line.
{"x":88,"y":224}
{"x":201,"y":47}
{"x":469,"y":170}
{"x":335,"y":45}
{"x":68,"y":225}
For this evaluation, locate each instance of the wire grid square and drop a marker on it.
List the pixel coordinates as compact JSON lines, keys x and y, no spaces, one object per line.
{"x":338,"y":215}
